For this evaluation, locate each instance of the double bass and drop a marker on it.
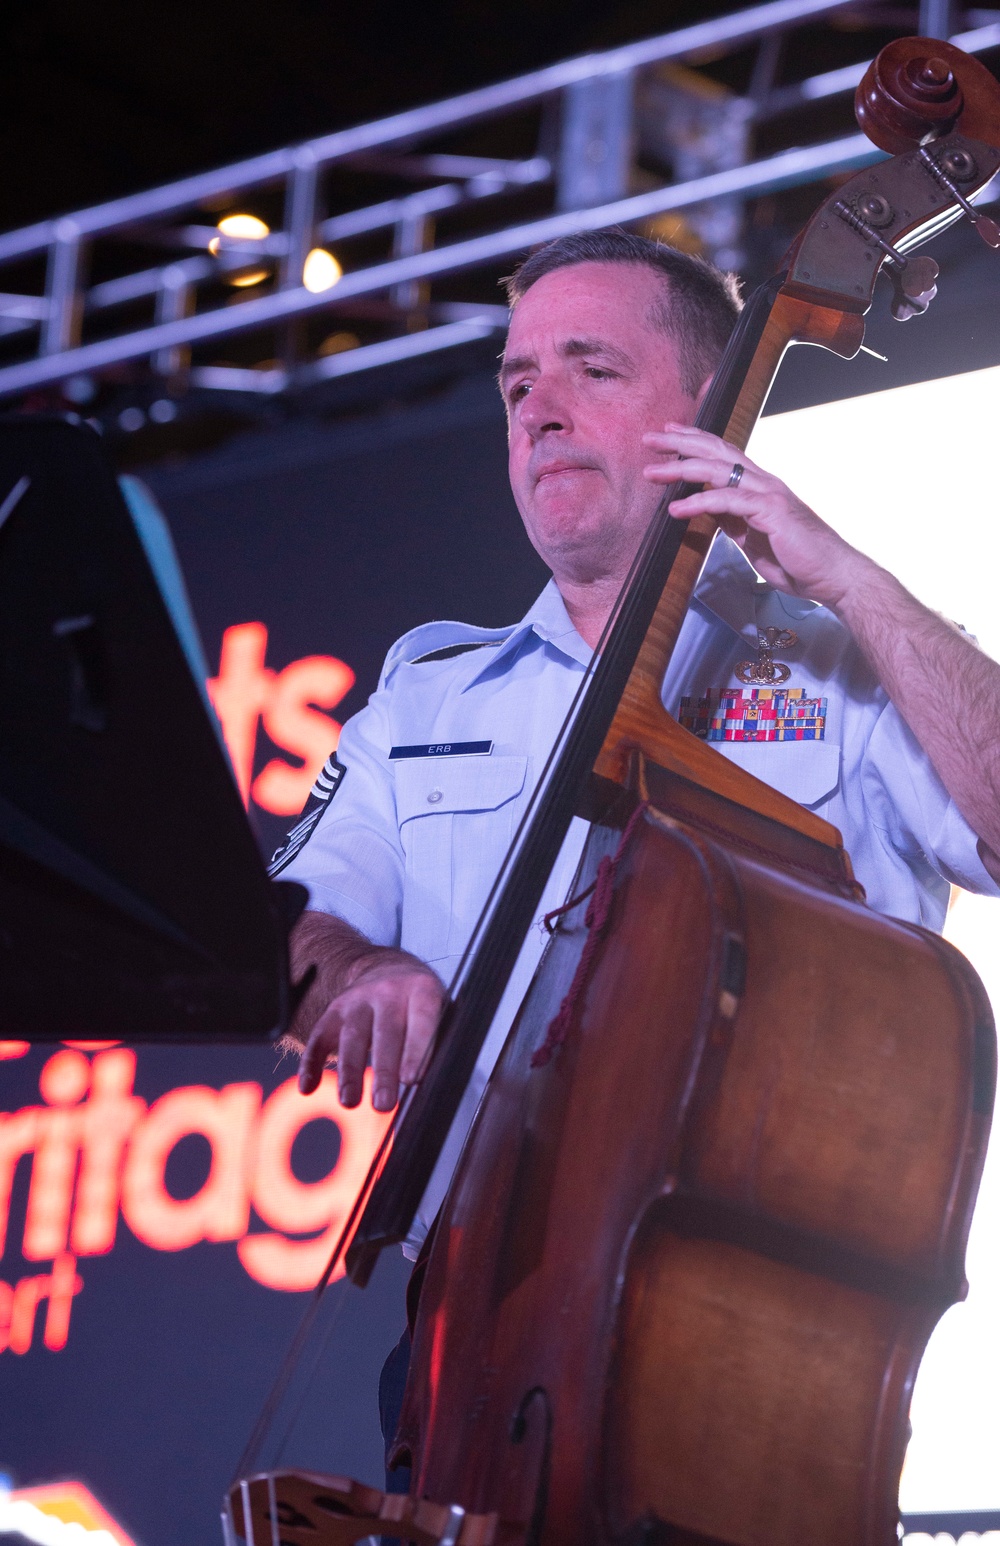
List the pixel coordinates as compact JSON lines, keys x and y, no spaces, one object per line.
{"x":718,"y":1191}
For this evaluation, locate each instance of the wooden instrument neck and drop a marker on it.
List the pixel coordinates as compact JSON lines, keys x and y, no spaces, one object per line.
{"x":774,"y":320}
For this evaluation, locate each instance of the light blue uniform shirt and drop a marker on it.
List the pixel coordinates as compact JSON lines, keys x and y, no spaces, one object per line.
{"x":406,"y":849}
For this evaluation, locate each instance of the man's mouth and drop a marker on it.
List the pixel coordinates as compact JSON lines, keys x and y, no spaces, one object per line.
{"x":557,"y":469}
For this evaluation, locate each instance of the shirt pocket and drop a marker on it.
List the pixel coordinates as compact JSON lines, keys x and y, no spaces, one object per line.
{"x":806,"y":771}
{"x":456,"y":822}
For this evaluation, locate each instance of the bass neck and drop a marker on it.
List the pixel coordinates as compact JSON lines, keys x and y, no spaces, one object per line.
{"x":616,"y":713}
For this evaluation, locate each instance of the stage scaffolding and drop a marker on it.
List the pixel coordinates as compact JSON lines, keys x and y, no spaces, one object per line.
{"x":146,"y":298}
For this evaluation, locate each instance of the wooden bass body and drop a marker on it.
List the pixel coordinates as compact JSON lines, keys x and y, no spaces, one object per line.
{"x":686,"y":1271}
{"x":719,"y":1188}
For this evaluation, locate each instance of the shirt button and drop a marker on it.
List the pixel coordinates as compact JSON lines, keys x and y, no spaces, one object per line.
{"x":434,"y":796}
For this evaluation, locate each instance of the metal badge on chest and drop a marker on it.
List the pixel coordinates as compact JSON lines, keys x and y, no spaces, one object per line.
{"x":765,"y":671}
{"x":768,"y":712}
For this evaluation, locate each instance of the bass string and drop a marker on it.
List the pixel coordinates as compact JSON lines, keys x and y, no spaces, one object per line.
{"x":499,"y":934}
{"x":411,"y":1145}
{"x":279,"y":1389}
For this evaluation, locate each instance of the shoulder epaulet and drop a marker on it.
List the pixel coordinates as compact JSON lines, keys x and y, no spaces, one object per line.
{"x":439,"y":641}
{"x":450,"y":650}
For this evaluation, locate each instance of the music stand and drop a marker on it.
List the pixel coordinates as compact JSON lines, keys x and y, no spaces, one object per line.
{"x":134,"y":904}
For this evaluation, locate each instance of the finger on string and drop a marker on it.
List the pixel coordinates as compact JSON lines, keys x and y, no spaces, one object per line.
{"x":352,"y":1057}
{"x":723,"y":501}
{"x":676,"y":433}
{"x":322,"y":1044}
{"x":422,"y":1017}
{"x":692,"y":432}
{"x":388,"y":1033}
{"x":696,"y":470}
{"x":682,"y":436}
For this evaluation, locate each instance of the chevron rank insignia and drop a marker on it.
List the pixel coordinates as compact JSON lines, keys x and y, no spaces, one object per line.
{"x":327,"y":783}
{"x":755,"y":714}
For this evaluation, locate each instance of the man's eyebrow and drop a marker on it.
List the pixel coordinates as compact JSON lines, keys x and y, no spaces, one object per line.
{"x":517,"y":363}
{"x":573,"y":348}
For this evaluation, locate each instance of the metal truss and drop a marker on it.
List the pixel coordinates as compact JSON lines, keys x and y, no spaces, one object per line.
{"x":640,"y":136}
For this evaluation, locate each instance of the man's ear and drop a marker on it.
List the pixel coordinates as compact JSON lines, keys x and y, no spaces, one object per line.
{"x":703,"y":393}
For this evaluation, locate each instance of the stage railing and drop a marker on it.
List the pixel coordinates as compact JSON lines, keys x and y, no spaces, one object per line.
{"x":88,"y":302}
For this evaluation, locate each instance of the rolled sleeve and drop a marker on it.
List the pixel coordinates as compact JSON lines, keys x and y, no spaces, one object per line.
{"x":914,"y":816}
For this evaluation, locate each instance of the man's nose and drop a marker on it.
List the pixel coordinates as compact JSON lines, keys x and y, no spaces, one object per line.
{"x":544,"y":410}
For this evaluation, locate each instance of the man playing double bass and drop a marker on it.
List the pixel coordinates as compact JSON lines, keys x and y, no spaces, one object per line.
{"x":613,"y":341}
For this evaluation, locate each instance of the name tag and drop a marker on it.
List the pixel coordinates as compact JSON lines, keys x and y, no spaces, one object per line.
{"x":443,"y":749}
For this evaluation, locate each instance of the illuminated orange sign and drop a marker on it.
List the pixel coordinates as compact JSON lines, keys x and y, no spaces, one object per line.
{"x":35,"y":1514}
{"x":99,"y":1153}
{"x":289,"y":702}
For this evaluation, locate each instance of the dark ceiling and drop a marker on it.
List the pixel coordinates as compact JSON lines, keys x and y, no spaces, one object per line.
{"x":109,"y":97}
{"x":116,"y":96}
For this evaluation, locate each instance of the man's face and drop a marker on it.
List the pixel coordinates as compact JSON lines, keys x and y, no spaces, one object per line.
{"x":586,"y":373}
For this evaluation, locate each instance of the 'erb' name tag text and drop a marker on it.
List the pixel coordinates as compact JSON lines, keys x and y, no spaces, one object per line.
{"x":443,"y":749}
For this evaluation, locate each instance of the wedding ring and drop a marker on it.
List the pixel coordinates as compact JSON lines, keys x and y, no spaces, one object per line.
{"x":736,"y":474}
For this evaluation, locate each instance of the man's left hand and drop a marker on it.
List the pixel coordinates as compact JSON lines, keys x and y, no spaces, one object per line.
{"x":921,"y":660}
{"x":786,"y":542}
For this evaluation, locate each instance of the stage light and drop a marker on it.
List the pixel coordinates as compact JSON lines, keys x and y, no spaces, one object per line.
{"x":336,"y":343}
{"x":321,"y":270}
{"x":242,"y":228}
{"x":899,"y":489}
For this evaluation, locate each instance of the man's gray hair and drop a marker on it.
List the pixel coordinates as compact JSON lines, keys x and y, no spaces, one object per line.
{"x":700,"y":302}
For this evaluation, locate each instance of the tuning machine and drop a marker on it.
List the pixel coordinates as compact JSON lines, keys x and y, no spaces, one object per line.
{"x":913,"y":287}
{"x":959,"y":162}
{"x":914,"y":280}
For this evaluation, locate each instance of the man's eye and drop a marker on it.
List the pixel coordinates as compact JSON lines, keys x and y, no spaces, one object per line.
{"x":598,"y":372}
{"x":517,"y":393}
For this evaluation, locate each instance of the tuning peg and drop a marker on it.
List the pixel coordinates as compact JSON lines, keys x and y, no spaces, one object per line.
{"x":914,"y":280}
{"x":914,"y":287}
{"x":987,"y":229}
{"x":984,"y":226}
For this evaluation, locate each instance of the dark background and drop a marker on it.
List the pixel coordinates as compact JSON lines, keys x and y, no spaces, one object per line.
{"x":339,"y":528}
{"x":337,"y":538}
{"x":170,"y":1355}
{"x":101,"y":100}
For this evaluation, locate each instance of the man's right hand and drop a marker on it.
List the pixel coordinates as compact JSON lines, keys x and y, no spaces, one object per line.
{"x":387,"y":1016}
{"x":368,"y":1004}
